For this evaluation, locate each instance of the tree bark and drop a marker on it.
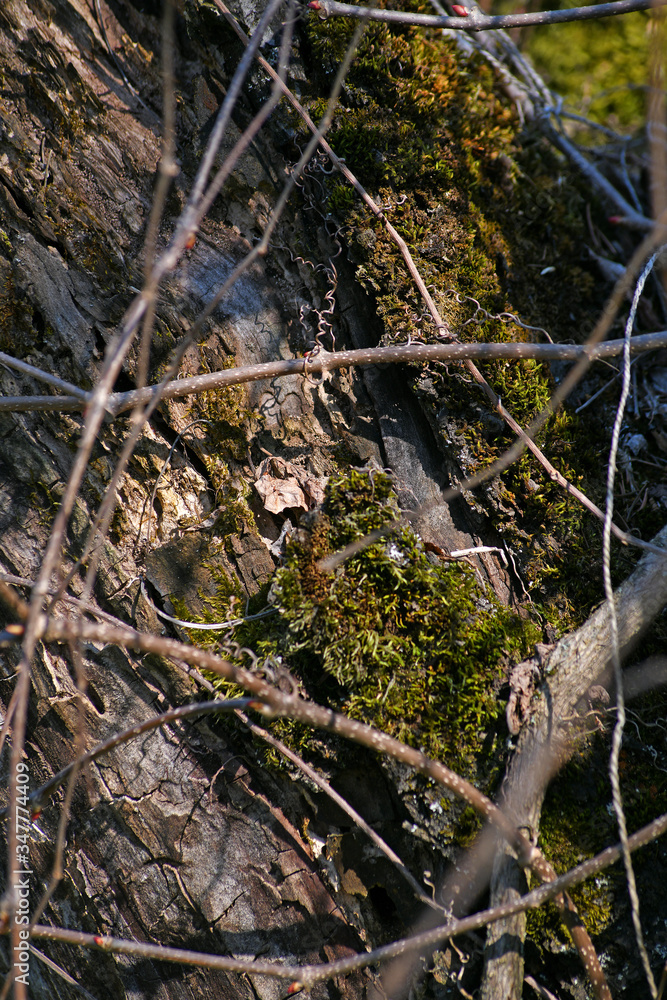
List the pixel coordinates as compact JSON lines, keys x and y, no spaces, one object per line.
{"x":179,"y":837}
{"x":578,"y":663}
{"x":183,"y":836}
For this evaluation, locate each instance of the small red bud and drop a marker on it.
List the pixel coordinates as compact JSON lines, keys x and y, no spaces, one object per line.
{"x":459,"y":10}
{"x":614,"y":219}
{"x":190,"y":242}
{"x":99,"y":941}
{"x":314,"y":5}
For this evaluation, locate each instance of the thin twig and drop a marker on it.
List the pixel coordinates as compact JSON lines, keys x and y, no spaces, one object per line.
{"x":617,"y":738}
{"x":578,"y":661}
{"x":310,"y":974}
{"x":628,"y":215}
{"x":39,"y":795}
{"x":57,"y":869}
{"x":42,"y":376}
{"x":59,"y":971}
{"x":343,"y":804}
{"x":141,"y":417}
{"x":476,"y":21}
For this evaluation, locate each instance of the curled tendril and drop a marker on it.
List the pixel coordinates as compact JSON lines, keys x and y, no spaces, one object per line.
{"x":481,"y":315}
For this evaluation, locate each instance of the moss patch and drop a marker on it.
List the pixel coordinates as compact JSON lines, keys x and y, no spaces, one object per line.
{"x":409,"y":645}
{"x":226,"y":418}
{"x":494,"y":220}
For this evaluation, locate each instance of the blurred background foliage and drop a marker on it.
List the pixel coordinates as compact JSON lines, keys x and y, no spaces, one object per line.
{"x":599,"y":68}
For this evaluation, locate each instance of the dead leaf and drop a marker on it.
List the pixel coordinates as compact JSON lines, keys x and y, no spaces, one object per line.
{"x":282,"y":485}
{"x":278,"y":494}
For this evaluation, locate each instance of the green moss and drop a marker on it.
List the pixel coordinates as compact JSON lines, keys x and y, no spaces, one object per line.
{"x":494,"y":220}
{"x":403,"y":643}
{"x":576,"y":823}
{"x":225,"y":604}
{"x":226,"y":418}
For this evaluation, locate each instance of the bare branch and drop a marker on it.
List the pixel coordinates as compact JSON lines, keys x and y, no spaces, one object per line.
{"x":650,"y":242}
{"x":628,"y":216}
{"x":474,"y":20}
{"x":323,"y":361}
{"x":576,"y":663}
{"x":42,"y":376}
{"x":309,"y":975}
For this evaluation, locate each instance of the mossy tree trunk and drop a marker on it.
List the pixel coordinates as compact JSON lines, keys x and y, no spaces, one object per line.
{"x":183,"y":837}
{"x":186,"y":837}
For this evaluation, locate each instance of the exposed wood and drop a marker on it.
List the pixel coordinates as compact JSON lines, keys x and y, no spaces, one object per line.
{"x":575,"y":666}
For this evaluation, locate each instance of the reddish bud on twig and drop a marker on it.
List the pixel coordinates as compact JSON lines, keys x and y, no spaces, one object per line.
{"x":459,"y":10}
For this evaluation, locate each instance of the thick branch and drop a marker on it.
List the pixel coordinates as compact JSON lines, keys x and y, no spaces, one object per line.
{"x":573,"y":667}
{"x":324,"y":361}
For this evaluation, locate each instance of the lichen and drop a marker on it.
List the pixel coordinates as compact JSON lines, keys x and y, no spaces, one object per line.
{"x":225,"y":418}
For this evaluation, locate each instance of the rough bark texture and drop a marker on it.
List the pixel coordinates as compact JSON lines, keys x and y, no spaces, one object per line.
{"x":179,"y":837}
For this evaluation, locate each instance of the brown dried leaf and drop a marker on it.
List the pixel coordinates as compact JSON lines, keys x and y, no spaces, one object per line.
{"x":282,"y":485}
{"x":278,"y":494}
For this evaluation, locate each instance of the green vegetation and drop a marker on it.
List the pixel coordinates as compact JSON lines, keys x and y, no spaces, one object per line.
{"x":407,"y":645}
{"x":396,"y":637}
{"x":226,"y":416}
{"x":494,"y":222}
{"x":598,"y":67}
